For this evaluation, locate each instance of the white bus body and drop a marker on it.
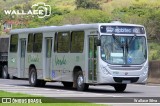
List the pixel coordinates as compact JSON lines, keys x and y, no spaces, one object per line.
{"x":80,"y":55}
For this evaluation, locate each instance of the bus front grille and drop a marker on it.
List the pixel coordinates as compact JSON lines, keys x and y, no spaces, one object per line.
{"x":125,"y":68}
{"x":131,"y":79}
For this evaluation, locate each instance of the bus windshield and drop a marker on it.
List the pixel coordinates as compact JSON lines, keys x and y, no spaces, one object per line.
{"x":127,"y":51}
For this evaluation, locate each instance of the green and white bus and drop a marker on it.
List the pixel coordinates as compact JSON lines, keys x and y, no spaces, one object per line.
{"x":80,"y":55}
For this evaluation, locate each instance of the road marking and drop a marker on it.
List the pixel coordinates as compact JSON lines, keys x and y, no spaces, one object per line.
{"x":138,"y":85}
{"x":118,"y":96}
{"x":48,"y":89}
{"x":54,"y":92}
{"x":6,"y":85}
{"x":152,"y":86}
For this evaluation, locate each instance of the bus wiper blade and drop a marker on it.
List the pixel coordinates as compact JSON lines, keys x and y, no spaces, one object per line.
{"x":117,"y":41}
{"x":130,"y":42}
{"x":132,"y":39}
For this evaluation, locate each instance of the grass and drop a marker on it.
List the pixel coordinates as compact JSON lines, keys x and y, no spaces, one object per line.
{"x":57,"y":102}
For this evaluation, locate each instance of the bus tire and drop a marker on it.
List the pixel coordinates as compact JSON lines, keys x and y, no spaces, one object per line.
{"x":33,"y":81}
{"x":5,"y":74}
{"x":67,"y":84}
{"x":80,"y":85}
{"x":120,"y":87}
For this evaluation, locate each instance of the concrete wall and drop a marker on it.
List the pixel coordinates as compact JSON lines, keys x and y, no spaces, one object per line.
{"x":154,"y":72}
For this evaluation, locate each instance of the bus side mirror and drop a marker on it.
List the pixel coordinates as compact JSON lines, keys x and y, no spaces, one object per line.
{"x":98,"y":42}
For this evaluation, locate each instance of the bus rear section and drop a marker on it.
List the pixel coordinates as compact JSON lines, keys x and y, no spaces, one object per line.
{"x":4,"y":42}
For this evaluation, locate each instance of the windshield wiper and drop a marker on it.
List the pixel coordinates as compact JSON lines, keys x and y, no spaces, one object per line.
{"x":130,"y":42}
{"x":122,"y":45}
{"x":132,"y":39}
{"x":116,"y":40}
{"x":125,"y":45}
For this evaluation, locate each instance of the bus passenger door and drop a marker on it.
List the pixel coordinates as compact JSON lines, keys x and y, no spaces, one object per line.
{"x":22,"y":58}
{"x":92,"y":61}
{"x":48,"y":55}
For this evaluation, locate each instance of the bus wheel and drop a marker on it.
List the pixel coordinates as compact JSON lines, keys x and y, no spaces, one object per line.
{"x":81,"y":86}
{"x":5,"y":72}
{"x":67,"y":84}
{"x":120,"y":87}
{"x":33,"y":77}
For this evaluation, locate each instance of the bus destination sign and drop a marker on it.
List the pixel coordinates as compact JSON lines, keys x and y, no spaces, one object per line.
{"x":122,"y":29}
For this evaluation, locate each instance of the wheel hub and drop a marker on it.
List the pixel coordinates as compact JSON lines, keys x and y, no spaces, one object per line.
{"x":80,"y":80}
{"x":4,"y":72}
{"x":33,"y":77}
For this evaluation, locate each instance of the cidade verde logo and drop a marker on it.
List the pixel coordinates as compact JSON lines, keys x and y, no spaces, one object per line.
{"x":40,"y":9}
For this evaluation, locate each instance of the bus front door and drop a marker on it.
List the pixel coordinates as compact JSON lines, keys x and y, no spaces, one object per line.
{"x":22,"y":58}
{"x":92,"y":61}
{"x":48,"y":55}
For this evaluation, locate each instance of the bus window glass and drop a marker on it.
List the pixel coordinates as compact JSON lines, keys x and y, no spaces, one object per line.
{"x":37,"y":47}
{"x":63,"y":42}
{"x":77,"y":42}
{"x":14,"y":43}
{"x":30,"y":43}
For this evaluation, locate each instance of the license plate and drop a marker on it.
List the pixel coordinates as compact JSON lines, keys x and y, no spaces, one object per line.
{"x":126,"y":81}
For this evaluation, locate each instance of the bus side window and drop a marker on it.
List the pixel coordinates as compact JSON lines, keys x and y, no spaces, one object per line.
{"x":37,"y":47}
{"x":77,"y":41}
{"x":14,"y":43}
{"x":30,"y":43}
{"x":63,"y":42}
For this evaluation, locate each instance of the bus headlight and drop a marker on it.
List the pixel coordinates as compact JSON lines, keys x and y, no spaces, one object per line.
{"x":104,"y":70}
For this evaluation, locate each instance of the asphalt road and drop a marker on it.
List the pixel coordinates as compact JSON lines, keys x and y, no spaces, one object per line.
{"x":56,"y":89}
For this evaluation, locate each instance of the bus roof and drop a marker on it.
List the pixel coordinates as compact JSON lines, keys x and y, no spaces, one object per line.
{"x":69,"y":27}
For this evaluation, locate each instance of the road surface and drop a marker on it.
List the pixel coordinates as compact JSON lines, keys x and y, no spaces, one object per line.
{"x":56,"y":89}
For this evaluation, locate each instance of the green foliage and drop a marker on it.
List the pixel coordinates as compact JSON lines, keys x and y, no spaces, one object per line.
{"x":80,"y":16}
{"x":87,"y":4}
{"x":141,"y":13}
{"x":144,"y":12}
{"x":154,"y":50}
{"x":86,"y":16}
{"x":56,"y":20}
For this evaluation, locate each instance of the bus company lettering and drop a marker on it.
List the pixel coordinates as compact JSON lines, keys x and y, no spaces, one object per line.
{"x":33,"y":58}
{"x":120,"y":30}
{"x":60,"y":61}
